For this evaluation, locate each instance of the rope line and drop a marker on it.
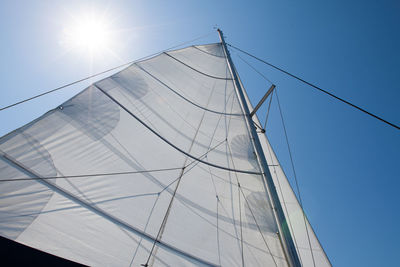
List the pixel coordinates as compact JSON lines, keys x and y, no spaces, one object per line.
{"x":100,"y":73}
{"x":164,"y":218}
{"x":251,"y":66}
{"x":318,"y":88}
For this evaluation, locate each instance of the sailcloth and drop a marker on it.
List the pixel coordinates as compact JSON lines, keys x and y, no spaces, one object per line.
{"x":152,"y":165}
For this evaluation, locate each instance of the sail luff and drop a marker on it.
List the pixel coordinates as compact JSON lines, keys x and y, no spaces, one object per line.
{"x":289,"y":248}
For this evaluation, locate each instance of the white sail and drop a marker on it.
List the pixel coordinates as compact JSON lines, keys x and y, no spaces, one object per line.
{"x":154,"y":165}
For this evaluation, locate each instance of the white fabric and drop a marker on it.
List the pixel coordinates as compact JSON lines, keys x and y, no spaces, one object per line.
{"x":181,"y":96}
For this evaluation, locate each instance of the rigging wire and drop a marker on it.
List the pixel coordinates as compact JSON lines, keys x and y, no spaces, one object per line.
{"x":265,"y":77}
{"x":295,"y":177}
{"x":167,"y":213}
{"x":103,"y":72}
{"x":318,"y":88}
{"x":251,"y":66}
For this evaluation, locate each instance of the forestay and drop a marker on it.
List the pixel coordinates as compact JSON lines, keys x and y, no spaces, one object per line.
{"x":176,"y":169}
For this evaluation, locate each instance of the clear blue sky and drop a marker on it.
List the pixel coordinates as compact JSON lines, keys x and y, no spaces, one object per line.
{"x":346,"y":162}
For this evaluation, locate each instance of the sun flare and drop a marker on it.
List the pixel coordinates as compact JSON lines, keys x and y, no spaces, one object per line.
{"x":88,"y":33}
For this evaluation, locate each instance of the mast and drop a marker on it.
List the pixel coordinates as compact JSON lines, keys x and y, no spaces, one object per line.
{"x":284,"y":233}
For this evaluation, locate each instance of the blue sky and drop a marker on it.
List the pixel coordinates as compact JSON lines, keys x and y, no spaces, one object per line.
{"x":346,"y":162}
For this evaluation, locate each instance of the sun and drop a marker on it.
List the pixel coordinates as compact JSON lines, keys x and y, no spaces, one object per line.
{"x":88,"y":33}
